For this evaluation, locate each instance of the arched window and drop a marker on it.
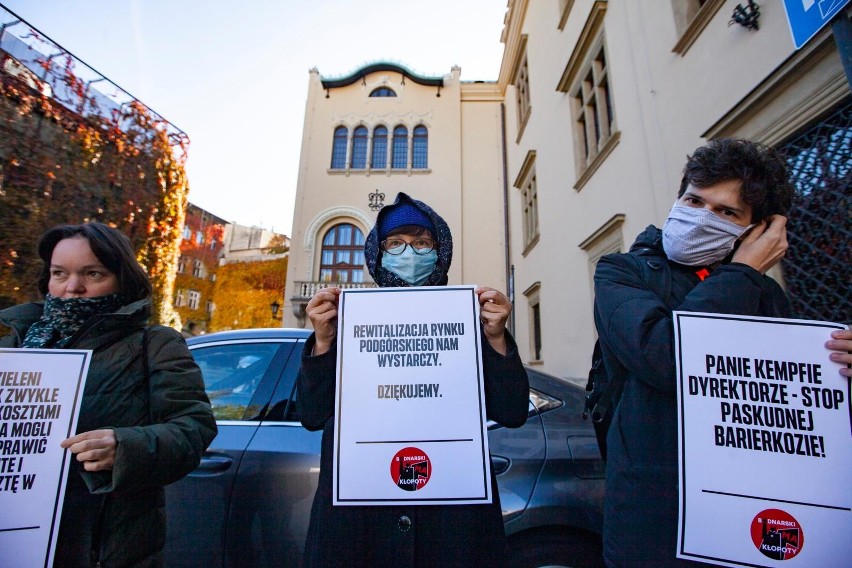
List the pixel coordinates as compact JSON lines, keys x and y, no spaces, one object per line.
{"x":382,"y":92}
{"x":399,"y":157}
{"x":342,"y":254}
{"x":380,"y":148}
{"x":359,"y":148}
{"x":338,"y":149}
{"x":420,"y":149}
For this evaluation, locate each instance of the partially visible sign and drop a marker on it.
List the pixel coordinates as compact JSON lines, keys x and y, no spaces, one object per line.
{"x":807,"y":17}
{"x":410,"y":424}
{"x":40,"y":394}
{"x":764,"y":444}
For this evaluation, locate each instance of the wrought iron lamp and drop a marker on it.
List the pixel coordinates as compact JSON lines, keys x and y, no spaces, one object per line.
{"x":275,"y":306}
{"x":746,"y":16}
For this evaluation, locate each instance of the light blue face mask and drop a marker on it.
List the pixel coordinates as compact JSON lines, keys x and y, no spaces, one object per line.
{"x":412,"y":267}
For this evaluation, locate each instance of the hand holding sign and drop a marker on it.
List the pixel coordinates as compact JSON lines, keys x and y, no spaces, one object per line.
{"x":322,"y":311}
{"x":841,"y":342}
{"x":95,"y":449}
{"x":494,"y":310}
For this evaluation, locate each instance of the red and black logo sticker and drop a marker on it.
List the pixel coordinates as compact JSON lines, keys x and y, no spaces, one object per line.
{"x":410,"y":469}
{"x":777,"y":535}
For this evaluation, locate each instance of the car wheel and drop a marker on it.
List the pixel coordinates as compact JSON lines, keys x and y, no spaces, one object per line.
{"x":555,"y":550}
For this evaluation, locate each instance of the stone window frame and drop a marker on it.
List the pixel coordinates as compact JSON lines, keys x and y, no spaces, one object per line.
{"x":587,"y":81}
{"x":356,"y":272}
{"x":536,"y":340}
{"x":360,"y":145}
{"x":198,"y":268}
{"x":420,"y":147}
{"x":564,"y":10}
{"x":346,"y":167}
{"x":383,"y":92}
{"x":606,"y":239}
{"x":373,"y":147}
{"x":340,"y":148}
{"x":527,"y":183}
{"x":691,"y":18}
{"x":317,"y":228}
{"x":521,"y":83}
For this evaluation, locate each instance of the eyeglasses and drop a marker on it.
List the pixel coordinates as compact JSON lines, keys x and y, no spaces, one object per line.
{"x":420,"y":245}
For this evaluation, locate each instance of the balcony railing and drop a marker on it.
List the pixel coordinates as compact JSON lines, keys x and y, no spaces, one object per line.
{"x":304,"y":291}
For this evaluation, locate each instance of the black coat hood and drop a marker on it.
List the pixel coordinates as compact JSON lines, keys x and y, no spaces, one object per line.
{"x":373,"y":252}
{"x":649,"y":239}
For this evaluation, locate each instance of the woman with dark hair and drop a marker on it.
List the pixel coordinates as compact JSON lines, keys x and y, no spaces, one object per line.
{"x":410,"y":245}
{"x":145,"y":419}
{"x":110,"y":246}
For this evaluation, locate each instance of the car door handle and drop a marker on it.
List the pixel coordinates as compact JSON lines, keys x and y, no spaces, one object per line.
{"x":213,"y":463}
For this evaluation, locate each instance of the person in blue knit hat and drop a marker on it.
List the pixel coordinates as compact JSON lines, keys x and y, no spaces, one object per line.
{"x":410,"y":245}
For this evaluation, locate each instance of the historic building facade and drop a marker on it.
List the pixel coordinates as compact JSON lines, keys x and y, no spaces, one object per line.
{"x":381,"y":130}
{"x":200,"y":250}
{"x":243,"y":299}
{"x":575,"y":149}
{"x":604,"y":102}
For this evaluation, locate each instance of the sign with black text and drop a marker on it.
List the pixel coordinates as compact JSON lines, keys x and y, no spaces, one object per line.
{"x":410,"y":424}
{"x":40,"y":394}
{"x":764,"y":442}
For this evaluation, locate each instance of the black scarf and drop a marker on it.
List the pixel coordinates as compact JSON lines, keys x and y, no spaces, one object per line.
{"x":62,"y":317}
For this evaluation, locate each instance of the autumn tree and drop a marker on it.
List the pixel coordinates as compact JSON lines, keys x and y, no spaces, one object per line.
{"x":244,"y":292}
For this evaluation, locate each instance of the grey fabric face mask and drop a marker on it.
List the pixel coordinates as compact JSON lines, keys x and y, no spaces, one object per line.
{"x":696,"y":236}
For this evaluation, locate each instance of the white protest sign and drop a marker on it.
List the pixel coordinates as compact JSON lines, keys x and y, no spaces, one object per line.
{"x":764,"y":442}
{"x":410,"y":403}
{"x":40,"y":394}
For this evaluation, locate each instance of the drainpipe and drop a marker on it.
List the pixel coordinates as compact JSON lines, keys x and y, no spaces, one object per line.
{"x":510,"y":270}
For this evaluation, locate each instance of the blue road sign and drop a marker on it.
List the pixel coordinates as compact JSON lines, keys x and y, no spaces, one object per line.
{"x":807,"y":17}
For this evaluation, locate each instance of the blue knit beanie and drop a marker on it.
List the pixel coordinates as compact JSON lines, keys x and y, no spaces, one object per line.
{"x":403,"y":214}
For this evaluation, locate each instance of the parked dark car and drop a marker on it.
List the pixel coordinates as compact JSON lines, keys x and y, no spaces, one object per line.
{"x":249,"y":502}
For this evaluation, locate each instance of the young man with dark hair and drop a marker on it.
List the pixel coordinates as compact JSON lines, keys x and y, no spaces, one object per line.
{"x":724,"y":232}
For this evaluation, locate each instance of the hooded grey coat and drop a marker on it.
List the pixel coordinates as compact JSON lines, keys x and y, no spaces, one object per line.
{"x":162,"y":423}
{"x":412,"y":536}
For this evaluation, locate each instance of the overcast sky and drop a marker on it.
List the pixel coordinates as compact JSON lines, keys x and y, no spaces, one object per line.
{"x":234,"y":75}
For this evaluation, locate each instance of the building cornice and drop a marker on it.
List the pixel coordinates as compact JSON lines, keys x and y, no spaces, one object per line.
{"x":388,"y":119}
{"x":486,"y":91}
{"x":790,"y":93}
{"x":359,"y":74}
{"x":514,"y":23}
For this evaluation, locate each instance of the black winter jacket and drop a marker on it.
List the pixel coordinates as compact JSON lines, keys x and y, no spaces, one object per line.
{"x":411,"y":536}
{"x":637,"y":340}
{"x":162,"y":426}
{"x":434,"y":535}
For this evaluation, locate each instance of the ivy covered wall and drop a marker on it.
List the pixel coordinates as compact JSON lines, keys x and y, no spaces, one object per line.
{"x":65,"y":160}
